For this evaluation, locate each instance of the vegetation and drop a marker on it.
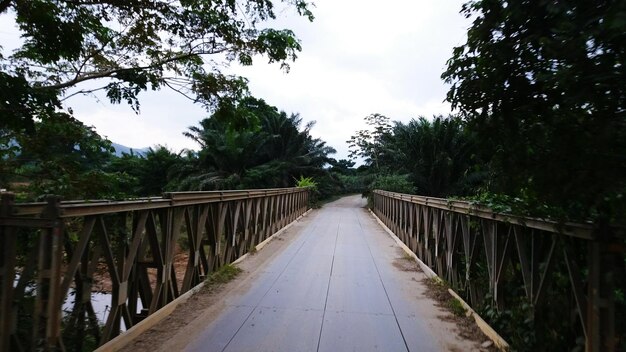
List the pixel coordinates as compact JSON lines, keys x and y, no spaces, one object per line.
{"x":433,"y":158}
{"x":62,"y":157}
{"x":368,"y":144}
{"x":539,"y":127}
{"x":125,"y":47}
{"x":256,"y":146}
{"x":223,"y":275}
{"x":540,"y":130}
{"x":540,"y":84}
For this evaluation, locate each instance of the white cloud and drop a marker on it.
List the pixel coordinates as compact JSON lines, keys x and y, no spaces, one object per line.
{"x":163,"y":117}
{"x":362,"y":57}
{"x":359,"y":57}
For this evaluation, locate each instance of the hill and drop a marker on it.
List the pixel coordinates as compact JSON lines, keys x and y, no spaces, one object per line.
{"x":120,"y":149}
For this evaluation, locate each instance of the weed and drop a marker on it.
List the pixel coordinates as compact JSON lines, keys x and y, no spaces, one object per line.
{"x":408,"y":257}
{"x":455,"y":306}
{"x":439,"y":291}
{"x":252,"y":250}
{"x":223,"y":275}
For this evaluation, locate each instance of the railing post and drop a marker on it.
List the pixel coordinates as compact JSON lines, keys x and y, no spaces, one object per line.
{"x":47,"y":317}
{"x":7,"y":273}
{"x":601,"y":302}
{"x":154,"y":226}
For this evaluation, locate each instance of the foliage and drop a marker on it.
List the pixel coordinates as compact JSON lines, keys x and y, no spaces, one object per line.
{"x":392,"y":183}
{"x":64,"y":157}
{"x":306,"y":182}
{"x":368,"y":143}
{"x":125,"y":47}
{"x":311,"y":185}
{"x":342,"y":166}
{"x":149,"y":173}
{"x":541,"y":84}
{"x":502,"y":203}
{"x":223,"y":275}
{"x":516,"y":324}
{"x":351,"y":184}
{"x":439,"y":155}
{"x":267,"y":149}
{"x":8,"y":152}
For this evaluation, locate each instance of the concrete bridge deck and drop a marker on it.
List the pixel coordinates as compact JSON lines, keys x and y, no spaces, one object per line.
{"x":338,"y":285}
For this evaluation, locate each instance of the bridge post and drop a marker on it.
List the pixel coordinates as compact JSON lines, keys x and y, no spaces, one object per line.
{"x":601,"y":301}
{"x":47,"y":317}
{"x":7,"y":273}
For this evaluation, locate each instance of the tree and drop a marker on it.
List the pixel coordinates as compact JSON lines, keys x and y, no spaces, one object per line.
{"x":438,"y":155}
{"x":65,"y":158}
{"x":251,"y":144}
{"x":342,"y":166}
{"x":541,"y":83}
{"x":225,"y":154}
{"x":150,"y":173}
{"x":368,"y":143}
{"x":125,"y":47}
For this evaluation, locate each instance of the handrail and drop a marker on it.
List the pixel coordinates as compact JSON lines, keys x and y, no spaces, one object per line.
{"x":485,"y":254}
{"x":53,"y":247}
{"x":585,"y":231}
{"x":169,"y":199}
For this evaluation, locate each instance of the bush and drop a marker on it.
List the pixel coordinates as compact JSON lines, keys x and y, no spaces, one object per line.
{"x":353,"y":183}
{"x":392,"y":183}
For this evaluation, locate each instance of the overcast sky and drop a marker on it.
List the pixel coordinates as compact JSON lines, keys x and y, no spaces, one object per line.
{"x":359,"y":57}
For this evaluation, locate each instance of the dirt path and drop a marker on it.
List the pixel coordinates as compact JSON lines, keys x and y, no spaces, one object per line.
{"x":334,"y":281}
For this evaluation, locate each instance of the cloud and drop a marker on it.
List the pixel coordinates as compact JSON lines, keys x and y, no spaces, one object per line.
{"x":363,"y":57}
{"x":163,"y":117}
{"x":359,"y":57}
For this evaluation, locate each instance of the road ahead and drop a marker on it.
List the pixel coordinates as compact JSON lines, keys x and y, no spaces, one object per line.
{"x":339,"y":285}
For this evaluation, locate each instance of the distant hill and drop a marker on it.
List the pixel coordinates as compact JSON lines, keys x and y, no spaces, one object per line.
{"x":120,"y":149}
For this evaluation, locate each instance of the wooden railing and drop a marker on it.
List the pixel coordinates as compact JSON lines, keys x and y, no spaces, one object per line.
{"x":507,"y":260}
{"x":52,"y":249}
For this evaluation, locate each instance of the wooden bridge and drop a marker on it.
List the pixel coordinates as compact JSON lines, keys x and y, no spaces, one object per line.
{"x":334,"y":287}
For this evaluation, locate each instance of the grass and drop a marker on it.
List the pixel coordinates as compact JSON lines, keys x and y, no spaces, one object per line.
{"x":409,"y":257}
{"x":455,"y":306}
{"x":439,"y":291}
{"x":223,"y":275}
{"x":252,"y":249}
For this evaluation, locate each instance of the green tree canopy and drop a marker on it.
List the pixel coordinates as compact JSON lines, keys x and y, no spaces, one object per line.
{"x":438,"y":156}
{"x":149,"y":173}
{"x":65,"y":158}
{"x":125,"y":47}
{"x":367,"y":143}
{"x":255,"y":146}
{"x":542,"y":84}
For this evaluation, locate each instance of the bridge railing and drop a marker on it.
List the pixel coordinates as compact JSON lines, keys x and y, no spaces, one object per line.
{"x":504,"y":260}
{"x":53,"y":252}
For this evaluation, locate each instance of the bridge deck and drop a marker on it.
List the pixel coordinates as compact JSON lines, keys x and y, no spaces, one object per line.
{"x":336,"y":286}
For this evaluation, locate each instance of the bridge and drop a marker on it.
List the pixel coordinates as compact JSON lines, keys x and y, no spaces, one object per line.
{"x":336,"y":284}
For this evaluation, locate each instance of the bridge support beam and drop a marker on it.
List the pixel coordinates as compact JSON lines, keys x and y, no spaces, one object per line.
{"x":49,"y":249}
{"x":600,"y":325}
{"x":591,"y":257}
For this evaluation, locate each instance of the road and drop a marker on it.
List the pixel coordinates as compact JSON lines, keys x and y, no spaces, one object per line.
{"x":340,"y":284}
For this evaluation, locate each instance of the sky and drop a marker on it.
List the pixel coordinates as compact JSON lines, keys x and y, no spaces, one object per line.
{"x":359,"y":57}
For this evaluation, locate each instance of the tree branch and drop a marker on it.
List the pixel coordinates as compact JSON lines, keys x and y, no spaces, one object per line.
{"x":83,"y":92}
{"x":178,"y":91}
{"x":109,"y":73}
{"x":4,"y":5}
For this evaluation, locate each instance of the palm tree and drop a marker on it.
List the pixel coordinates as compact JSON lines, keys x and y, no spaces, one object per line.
{"x":438,"y":155}
{"x":262,"y":148}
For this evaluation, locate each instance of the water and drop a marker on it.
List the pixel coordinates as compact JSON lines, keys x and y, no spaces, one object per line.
{"x":101,"y":303}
